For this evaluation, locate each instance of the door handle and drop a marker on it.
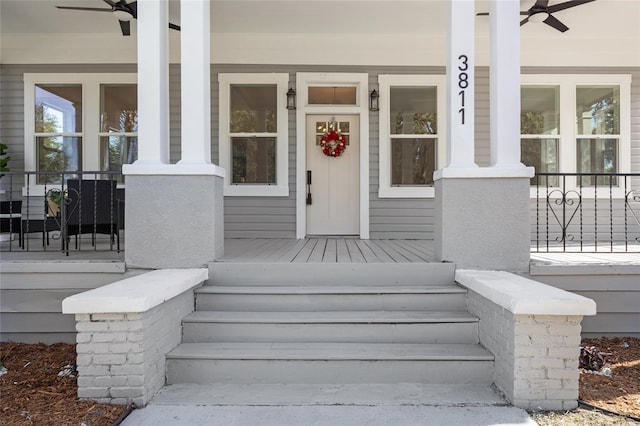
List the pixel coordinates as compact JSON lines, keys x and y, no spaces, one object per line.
{"x":309,"y":201}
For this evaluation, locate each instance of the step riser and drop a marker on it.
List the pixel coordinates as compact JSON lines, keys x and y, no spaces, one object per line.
{"x":203,"y":371}
{"x":347,"y":333}
{"x":332,"y":302}
{"x":331,"y":273}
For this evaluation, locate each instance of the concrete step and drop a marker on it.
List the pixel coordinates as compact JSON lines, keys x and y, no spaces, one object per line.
{"x":326,"y":298}
{"x":327,"y":274}
{"x":332,"y":326}
{"x":368,"y":394}
{"x":329,"y":363}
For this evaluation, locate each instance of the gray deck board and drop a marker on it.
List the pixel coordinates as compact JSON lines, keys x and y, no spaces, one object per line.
{"x":354,"y":251}
{"x":305,"y":252}
{"x":342,"y":252}
{"x":391,"y":251}
{"x":318,"y":251}
{"x":380,"y":253}
{"x":330,"y":252}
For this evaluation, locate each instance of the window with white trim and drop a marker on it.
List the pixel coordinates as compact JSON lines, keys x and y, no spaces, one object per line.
{"x":253,"y":139}
{"x":76,"y":122}
{"x":411,"y":134}
{"x":576,"y":124}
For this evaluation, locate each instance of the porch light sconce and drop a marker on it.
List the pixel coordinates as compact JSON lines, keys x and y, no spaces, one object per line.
{"x":291,"y":99}
{"x":373,"y":100}
{"x":121,"y":15}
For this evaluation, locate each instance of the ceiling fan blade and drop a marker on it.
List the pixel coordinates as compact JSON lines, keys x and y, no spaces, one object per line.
{"x":541,"y":4}
{"x":125,"y":26}
{"x":110,"y":3}
{"x":555,"y":23}
{"x":524,"y":21}
{"x":567,"y":5}
{"x":487,"y":13}
{"x":90,"y":9}
{"x":133,"y":6}
{"x":174,"y":26}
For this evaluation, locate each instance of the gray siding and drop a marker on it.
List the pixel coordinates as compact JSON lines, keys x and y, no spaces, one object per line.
{"x":274,"y":217}
{"x":616,"y":293}
{"x":31,"y":302}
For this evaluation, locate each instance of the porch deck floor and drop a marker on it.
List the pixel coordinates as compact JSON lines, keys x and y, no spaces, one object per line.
{"x":310,"y":250}
{"x":327,"y":250}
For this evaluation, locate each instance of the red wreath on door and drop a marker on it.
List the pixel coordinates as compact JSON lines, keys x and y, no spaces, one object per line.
{"x":333,"y":144}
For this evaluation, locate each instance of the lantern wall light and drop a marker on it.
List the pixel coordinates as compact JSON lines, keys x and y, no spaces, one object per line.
{"x":373,"y":100}
{"x":291,"y":99}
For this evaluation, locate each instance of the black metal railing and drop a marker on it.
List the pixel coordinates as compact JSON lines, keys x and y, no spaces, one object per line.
{"x":586,"y":212}
{"x":62,"y":211}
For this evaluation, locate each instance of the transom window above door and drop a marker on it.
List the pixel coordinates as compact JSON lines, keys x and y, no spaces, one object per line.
{"x":333,"y":95}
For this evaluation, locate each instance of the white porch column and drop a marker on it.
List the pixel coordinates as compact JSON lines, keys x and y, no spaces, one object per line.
{"x":460,"y":84}
{"x":173,"y":212}
{"x":504,"y":18}
{"x":482,"y":213}
{"x":195,"y":82}
{"x":153,"y":82}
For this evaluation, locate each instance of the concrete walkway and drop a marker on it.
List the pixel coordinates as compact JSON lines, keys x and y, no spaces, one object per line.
{"x":328,"y":405}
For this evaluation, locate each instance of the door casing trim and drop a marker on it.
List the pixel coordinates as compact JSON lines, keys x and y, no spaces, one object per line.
{"x":303,"y":81}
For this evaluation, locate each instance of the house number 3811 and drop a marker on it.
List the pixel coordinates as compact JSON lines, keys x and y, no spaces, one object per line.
{"x":463,"y":83}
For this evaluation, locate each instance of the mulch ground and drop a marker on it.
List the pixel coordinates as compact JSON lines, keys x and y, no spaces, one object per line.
{"x":39,"y":386}
{"x":621,"y":392}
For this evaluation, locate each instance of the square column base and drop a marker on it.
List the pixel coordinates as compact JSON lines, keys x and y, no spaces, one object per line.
{"x":173,"y":221}
{"x":483,"y":223}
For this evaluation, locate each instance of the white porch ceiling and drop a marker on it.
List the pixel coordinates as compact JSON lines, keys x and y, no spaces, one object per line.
{"x":407,"y":24}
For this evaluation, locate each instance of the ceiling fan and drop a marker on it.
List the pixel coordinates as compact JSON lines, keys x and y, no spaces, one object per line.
{"x":122,"y":11}
{"x":542,"y":12}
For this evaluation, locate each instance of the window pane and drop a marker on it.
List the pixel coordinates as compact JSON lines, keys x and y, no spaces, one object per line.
{"x":253,"y":109}
{"x":543,"y":155}
{"x":414,"y":110}
{"x":253,"y":160}
{"x":57,"y":154}
{"x":332,"y":96}
{"x":116,"y":151}
{"x":118,"y":108}
{"x":58,"y":108}
{"x":413,"y":161}
{"x":598,"y":110}
{"x":540,"y":112}
{"x":597,"y":156}
{"x":323,"y":126}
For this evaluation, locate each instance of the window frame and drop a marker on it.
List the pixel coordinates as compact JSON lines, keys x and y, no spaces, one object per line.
{"x":568,"y":135}
{"x":281,"y":188}
{"x":386,"y":82}
{"x":90,"y":83}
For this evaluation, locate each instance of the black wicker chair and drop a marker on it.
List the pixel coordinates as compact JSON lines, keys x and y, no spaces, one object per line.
{"x":91,"y":207}
{"x":11,"y":218}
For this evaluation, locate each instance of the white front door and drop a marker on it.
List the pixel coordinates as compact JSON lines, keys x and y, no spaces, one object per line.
{"x":334,"y":207}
